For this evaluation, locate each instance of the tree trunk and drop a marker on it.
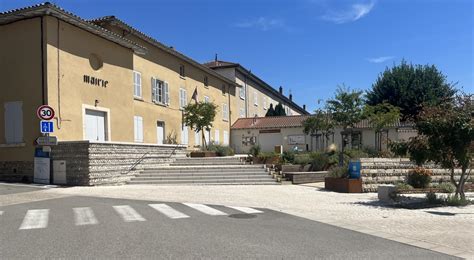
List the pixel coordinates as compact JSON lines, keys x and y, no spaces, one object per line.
{"x":204,"y":140}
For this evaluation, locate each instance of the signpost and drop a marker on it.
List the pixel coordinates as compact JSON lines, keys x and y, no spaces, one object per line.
{"x":45,"y":112}
{"x":42,"y":169}
{"x":46,"y":127}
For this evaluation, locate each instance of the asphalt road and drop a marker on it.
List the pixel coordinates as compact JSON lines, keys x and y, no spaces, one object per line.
{"x":87,"y":227}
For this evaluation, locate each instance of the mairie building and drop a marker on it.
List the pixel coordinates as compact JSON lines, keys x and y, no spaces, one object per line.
{"x":117,"y":94}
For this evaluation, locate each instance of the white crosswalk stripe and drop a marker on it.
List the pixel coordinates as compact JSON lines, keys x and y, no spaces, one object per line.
{"x":1,"y":213}
{"x":246,"y":210}
{"x":84,"y":216}
{"x":205,"y":209}
{"x":168,"y":211}
{"x":128,"y":214}
{"x":35,"y":218}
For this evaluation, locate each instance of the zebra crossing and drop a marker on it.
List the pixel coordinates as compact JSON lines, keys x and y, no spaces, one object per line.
{"x":83,"y":216}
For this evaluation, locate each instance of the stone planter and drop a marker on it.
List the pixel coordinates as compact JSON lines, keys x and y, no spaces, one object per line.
{"x":270,"y":160}
{"x":203,"y":154}
{"x":344,"y":185}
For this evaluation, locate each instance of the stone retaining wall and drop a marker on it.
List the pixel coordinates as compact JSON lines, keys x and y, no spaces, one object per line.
{"x":378,"y":171}
{"x":90,"y":163}
{"x":16,"y":171}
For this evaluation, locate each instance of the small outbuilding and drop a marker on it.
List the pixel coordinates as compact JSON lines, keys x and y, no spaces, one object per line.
{"x":287,"y":131}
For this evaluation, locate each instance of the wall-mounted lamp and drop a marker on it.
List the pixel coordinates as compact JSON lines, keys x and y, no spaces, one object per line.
{"x":96,"y":102}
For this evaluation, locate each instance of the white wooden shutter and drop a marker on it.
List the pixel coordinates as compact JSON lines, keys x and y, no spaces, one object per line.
{"x":138,"y":128}
{"x":226,"y":138}
{"x":216,"y":137}
{"x":153,"y":89}
{"x":197,"y":138}
{"x":13,"y":122}
{"x":166,"y":94}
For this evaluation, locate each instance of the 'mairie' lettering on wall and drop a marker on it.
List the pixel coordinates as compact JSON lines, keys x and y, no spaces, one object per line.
{"x":95,"y":81}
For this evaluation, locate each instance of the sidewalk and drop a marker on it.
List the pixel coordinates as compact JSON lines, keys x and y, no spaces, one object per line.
{"x":448,"y":229}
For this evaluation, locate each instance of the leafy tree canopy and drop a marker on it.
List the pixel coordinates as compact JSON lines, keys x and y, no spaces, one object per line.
{"x":381,"y":115}
{"x":279,"y":110}
{"x":199,"y":116}
{"x":409,"y":86}
{"x":346,"y":107}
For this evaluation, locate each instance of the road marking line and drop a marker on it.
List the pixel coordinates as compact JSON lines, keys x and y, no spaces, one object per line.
{"x":35,"y":218}
{"x":168,"y":211}
{"x":246,"y":210}
{"x":128,"y":214}
{"x":1,"y":213}
{"x":205,"y":209}
{"x":84,"y":216}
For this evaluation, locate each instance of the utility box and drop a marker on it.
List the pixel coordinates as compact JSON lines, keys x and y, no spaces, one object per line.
{"x":59,"y":172}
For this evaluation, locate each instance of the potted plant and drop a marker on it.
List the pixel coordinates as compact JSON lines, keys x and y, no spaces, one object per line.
{"x":339,"y":181}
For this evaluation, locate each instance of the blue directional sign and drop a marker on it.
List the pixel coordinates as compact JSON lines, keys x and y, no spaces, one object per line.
{"x":46,"y":127}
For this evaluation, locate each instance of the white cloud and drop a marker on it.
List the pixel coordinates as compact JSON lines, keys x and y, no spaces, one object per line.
{"x":262,"y":23}
{"x":350,"y":14}
{"x":380,"y":59}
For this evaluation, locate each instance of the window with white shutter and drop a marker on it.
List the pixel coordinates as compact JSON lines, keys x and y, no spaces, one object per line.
{"x":242,"y":112}
{"x":13,"y":122}
{"x":226,"y":138}
{"x":225,"y":112}
{"x":137,"y":84}
{"x":216,"y":137}
{"x":160,"y":92}
{"x":138,"y":128}
{"x":255,"y":98}
{"x":242,"y":92}
{"x":206,"y":99}
{"x":182,"y":98}
{"x":265,"y":103}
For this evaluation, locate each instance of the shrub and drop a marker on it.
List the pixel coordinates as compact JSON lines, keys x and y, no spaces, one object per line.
{"x":432,"y":198}
{"x":302,"y":159}
{"x":455,"y":201}
{"x":320,"y":162}
{"x":370,"y":151}
{"x":447,"y":187}
{"x":171,"y":138}
{"x":398,"y":148}
{"x":221,"y":150}
{"x":419,"y":177}
{"x":264,"y":156}
{"x":403,"y":186}
{"x":339,"y":172}
{"x":288,"y":157}
{"x":356,"y":154}
{"x":255,"y":150}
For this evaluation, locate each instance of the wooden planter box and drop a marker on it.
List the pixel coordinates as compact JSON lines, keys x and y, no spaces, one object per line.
{"x":271,"y":160}
{"x":344,"y":185}
{"x":203,"y":154}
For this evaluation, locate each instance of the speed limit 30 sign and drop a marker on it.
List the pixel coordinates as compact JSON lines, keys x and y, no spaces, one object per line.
{"x":45,"y":112}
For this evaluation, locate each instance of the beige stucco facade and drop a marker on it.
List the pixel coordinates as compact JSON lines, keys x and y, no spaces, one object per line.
{"x":46,"y":59}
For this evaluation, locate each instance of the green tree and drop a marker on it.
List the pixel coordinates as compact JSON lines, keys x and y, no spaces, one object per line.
{"x":446,"y":137}
{"x":381,"y":116}
{"x":279,"y":110}
{"x":320,"y":122}
{"x":346,"y":109}
{"x":199,"y":117}
{"x":409,"y":86}
{"x":270,"y":111}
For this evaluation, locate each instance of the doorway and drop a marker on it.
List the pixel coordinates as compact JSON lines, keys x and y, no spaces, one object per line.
{"x":160,"y":132}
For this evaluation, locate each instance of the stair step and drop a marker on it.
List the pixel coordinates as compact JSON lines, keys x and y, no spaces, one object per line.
{"x":202,"y":183}
{"x":267,"y":177}
{"x":232,"y":181}
{"x":190,"y":173}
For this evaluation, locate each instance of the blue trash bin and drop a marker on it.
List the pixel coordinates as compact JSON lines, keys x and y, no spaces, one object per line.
{"x":354,"y":169}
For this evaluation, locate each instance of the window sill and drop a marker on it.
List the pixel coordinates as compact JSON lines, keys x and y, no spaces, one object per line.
{"x":159,"y":104}
{"x":138,"y":98}
{"x":181,"y":77}
{"x":225,"y":120}
{"x":12,"y":145}
{"x":242,"y":98}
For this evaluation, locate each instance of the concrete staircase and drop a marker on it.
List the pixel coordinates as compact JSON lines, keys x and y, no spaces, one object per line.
{"x":205,"y":171}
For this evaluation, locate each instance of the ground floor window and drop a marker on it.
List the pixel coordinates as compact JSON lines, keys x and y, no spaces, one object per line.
{"x":138,"y":128}
{"x":160,"y":132}
{"x":13,"y":122}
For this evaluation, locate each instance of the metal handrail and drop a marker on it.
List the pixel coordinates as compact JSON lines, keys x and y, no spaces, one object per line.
{"x":134,"y":165}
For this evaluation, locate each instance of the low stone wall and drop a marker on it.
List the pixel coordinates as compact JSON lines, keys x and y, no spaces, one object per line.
{"x":16,"y":171}
{"x":378,"y":171}
{"x":90,"y":163}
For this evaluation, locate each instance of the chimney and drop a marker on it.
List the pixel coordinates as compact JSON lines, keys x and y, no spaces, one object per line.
{"x":290,"y":97}
{"x":281,"y":90}
{"x":304,"y":107}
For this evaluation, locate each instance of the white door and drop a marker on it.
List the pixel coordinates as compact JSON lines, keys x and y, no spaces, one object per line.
{"x":95,"y":125}
{"x":160,"y":132}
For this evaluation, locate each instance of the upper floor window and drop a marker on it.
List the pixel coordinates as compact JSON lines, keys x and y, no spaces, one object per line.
{"x":181,"y":71}
{"x":242,"y":112}
{"x":137,"y":84}
{"x":264,"y":102}
{"x":255,"y":98}
{"x":160,"y":92}
{"x":225,"y":112}
{"x":242,"y":92}
{"x":206,"y":81}
{"x":183,"y":101}
{"x":206,"y":99}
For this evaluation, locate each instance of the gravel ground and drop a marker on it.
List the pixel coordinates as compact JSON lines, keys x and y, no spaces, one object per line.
{"x":451,"y":228}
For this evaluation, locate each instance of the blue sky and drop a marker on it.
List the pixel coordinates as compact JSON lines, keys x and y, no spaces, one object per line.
{"x":308,"y":46}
